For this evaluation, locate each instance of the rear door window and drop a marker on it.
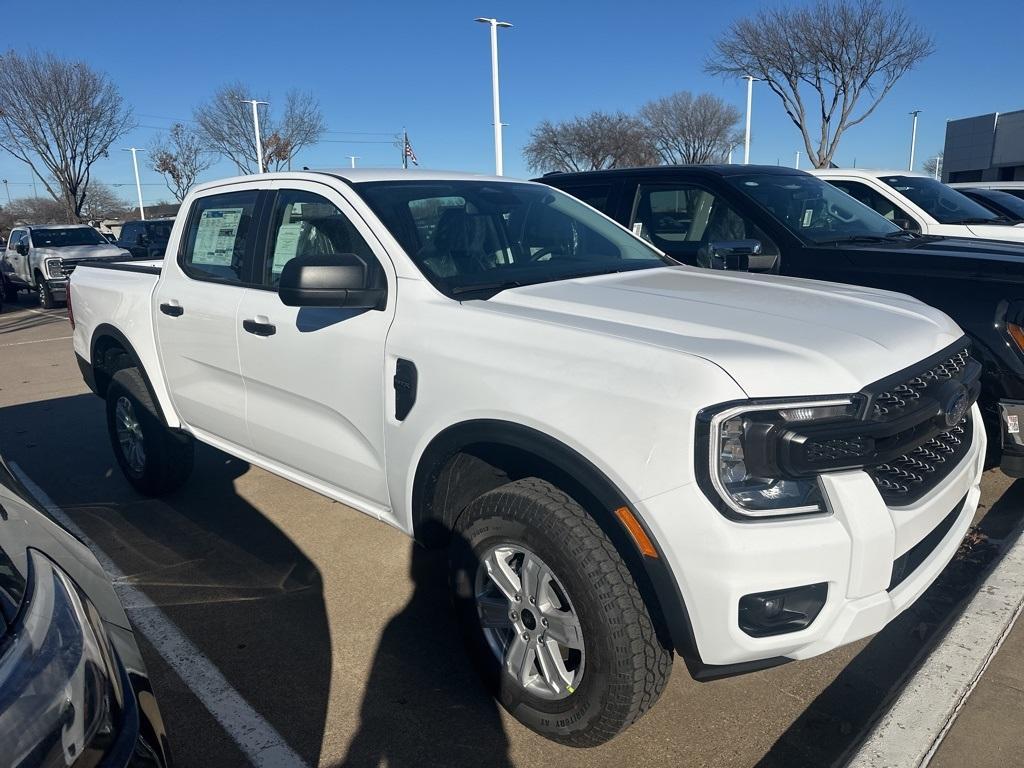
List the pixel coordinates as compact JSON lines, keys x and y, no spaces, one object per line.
{"x":877,"y":202}
{"x":220,"y":238}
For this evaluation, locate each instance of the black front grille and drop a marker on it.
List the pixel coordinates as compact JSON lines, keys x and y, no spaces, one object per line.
{"x":906,"y":394}
{"x":907,"y":478}
{"x":67,"y":269}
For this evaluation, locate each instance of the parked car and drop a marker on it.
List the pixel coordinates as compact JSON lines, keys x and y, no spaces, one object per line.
{"x":808,"y":229}
{"x":146,"y":239}
{"x":999,"y":202}
{"x":1015,"y":188}
{"x":625,"y":455}
{"x":73,"y":687}
{"x":919,"y":203}
{"x":40,"y":258}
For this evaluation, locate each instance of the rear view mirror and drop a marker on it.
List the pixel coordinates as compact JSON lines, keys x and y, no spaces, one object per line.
{"x":22,"y":249}
{"x":732,"y":255}
{"x":335,"y":280}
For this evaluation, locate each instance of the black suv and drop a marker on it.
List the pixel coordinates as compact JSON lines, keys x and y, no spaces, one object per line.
{"x":784,"y":221}
{"x":145,"y":239}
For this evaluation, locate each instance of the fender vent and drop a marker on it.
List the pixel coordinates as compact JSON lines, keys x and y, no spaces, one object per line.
{"x":405,"y":388}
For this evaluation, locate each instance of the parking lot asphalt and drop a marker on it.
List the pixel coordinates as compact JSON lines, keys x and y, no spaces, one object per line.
{"x":336,"y":630}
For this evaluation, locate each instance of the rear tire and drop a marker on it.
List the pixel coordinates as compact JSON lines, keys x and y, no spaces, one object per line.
{"x":611,"y":670}
{"x":154,"y":459}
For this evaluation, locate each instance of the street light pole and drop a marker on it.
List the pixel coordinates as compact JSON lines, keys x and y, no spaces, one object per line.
{"x":138,"y":184}
{"x":7,"y":189}
{"x":750,"y":98}
{"x":797,"y":163}
{"x":352,"y":159}
{"x":256,"y":130}
{"x":494,"y":24}
{"x":913,"y":139}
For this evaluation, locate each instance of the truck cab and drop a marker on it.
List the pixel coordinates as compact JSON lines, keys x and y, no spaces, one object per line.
{"x":41,"y":258}
{"x":145,"y":239}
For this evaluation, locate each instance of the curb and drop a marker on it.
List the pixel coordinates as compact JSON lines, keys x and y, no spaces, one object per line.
{"x":915,"y":725}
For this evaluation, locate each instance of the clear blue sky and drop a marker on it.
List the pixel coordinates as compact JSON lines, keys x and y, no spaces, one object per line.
{"x":379,"y":66}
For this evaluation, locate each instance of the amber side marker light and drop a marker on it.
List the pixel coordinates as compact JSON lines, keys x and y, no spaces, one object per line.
{"x":1017,"y":334}
{"x":643,"y":542}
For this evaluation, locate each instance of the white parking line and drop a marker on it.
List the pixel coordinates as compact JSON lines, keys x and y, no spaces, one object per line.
{"x":35,"y":341}
{"x":911,"y":731}
{"x":262,"y":745}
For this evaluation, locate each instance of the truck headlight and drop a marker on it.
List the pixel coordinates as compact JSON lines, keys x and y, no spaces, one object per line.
{"x":61,"y":689}
{"x":53,"y":270}
{"x":740,"y":446}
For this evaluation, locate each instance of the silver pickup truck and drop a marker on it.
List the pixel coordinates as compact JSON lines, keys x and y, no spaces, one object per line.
{"x":40,"y":258}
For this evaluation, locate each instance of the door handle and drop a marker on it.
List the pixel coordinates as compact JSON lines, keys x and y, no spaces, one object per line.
{"x":174,"y":310}
{"x":259,"y":329}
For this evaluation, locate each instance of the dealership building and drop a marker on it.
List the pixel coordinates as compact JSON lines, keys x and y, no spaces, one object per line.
{"x":985,"y":148}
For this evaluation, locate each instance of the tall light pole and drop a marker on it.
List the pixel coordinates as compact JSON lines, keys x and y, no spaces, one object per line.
{"x":494,"y":24}
{"x":352,"y":159}
{"x":750,"y":98}
{"x":138,"y":184}
{"x":797,"y":163}
{"x":7,"y":189}
{"x":256,"y":130}
{"x":913,"y":139}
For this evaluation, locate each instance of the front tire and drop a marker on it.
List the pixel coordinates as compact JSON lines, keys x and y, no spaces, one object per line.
{"x":154,"y":459}
{"x":46,"y":300}
{"x":552,"y":616}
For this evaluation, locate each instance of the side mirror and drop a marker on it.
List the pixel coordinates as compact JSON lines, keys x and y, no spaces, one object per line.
{"x":732,"y":255}
{"x":22,"y":249}
{"x":335,"y":280}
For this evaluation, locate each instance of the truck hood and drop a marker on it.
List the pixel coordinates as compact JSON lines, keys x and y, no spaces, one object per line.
{"x":998,"y":231}
{"x":776,"y":336}
{"x":77,"y":252}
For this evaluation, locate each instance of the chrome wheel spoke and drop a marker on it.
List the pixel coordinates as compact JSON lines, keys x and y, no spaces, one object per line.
{"x":519,"y":659}
{"x":494,"y":612}
{"x":502,"y":573}
{"x":564,"y":628}
{"x":552,"y":666}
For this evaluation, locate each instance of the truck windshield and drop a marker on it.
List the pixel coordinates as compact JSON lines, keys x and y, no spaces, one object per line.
{"x":472,"y":239}
{"x":815,"y":211}
{"x":60,"y":238}
{"x":942,"y":203}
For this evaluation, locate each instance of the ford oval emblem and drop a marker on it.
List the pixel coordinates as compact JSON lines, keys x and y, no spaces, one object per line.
{"x":956,"y":408}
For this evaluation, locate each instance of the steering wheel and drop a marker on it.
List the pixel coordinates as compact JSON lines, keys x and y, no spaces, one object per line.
{"x":835,"y":213}
{"x":551,"y":251}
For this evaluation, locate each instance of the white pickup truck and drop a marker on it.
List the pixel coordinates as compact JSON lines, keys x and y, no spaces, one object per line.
{"x":627,"y":457}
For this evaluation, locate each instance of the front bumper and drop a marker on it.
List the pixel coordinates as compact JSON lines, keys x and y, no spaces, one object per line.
{"x":59,"y":288}
{"x":854,"y":549}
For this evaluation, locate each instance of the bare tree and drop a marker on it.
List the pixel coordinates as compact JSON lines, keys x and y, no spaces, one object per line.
{"x":933,"y":165}
{"x":102,"y":202}
{"x":595,"y":142}
{"x":35,"y":210}
{"x":224,"y":124}
{"x":180,"y":157}
{"x":688,"y":129}
{"x":822,"y":60}
{"x":59,"y":117}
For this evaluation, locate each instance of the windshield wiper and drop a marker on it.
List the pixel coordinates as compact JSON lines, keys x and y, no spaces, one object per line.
{"x":489,"y":288}
{"x":867,"y":238}
{"x":979,"y":220}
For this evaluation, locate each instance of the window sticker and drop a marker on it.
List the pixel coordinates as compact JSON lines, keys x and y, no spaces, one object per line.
{"x":287,"y":246}
{"x":808,"y":214}
{"x":216,"y":236}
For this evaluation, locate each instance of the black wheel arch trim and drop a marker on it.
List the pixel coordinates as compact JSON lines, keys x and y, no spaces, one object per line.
{"x":106,"y":330}
{"x":656,"y":571}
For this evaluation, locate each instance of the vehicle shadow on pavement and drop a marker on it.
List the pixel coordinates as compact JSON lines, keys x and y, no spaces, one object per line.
{"x":230,"y":580}
{"x":831,"y":728}
{"x":423,"y":704}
